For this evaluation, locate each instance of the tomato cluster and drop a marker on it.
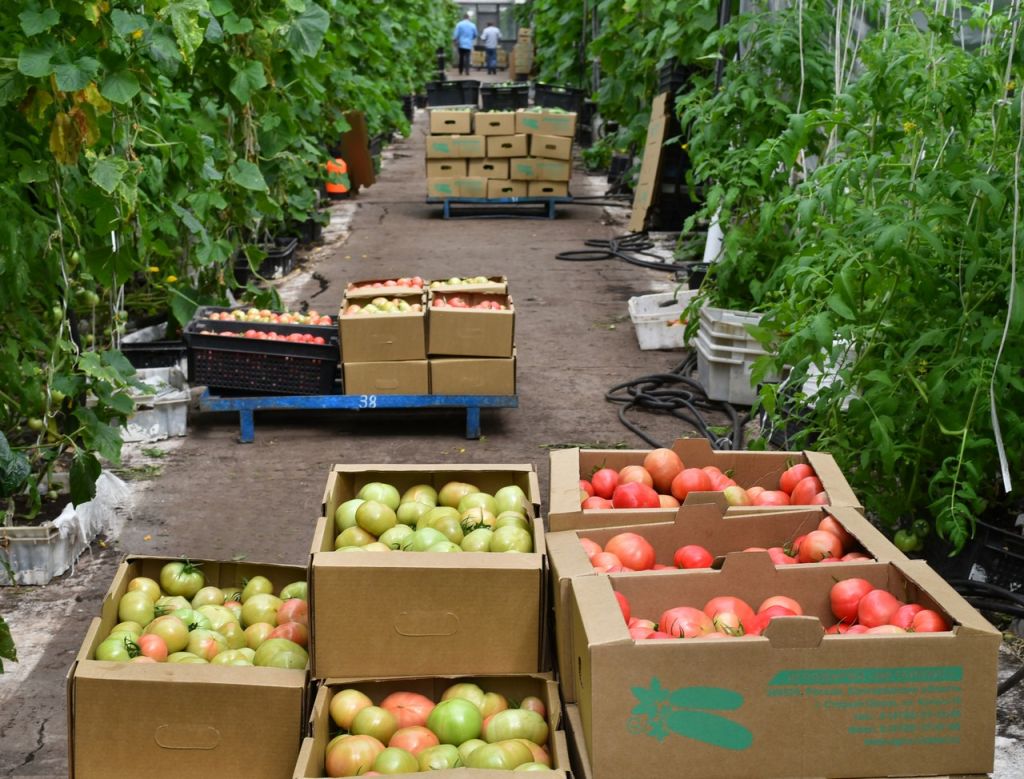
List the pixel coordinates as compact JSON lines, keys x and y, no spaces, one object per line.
{"x":663,"y":481}
{"x":457,"y":281}
{"x":411,"y":283}
{"x":408,"y":732}
{"x":182,"y":620}
{"x":382,"y":306}
{"x":828,"y":543}
{"x":456,"y":518}
{"x":259,"y":335}
{"x":859,"y":606}
{"x":267,"y":316}
{"x":457,"y":301}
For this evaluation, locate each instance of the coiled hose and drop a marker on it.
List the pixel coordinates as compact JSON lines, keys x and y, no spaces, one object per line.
{"x":989,"y":597}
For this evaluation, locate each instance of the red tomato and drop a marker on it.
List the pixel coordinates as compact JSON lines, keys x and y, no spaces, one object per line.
{"x":293,"y":631}
{"x":928,"y":621}
{"x":597,"y":503}
{"x":635,"y":473}
{"x":637,"y":622}
{"x":409,"y":708}
{"x":876,"y":608}
{"x":779,"y":556}
{"x":663,"y":465}
{"x":604,"y":560}
{"x":753,"y":492}
{"x":591,"y":547}
{"x":728,"y":603}
{"x":776,"y":610}
{"x":344,"y":706}
{"x":152,"y":646}
{"x":635,"y":495}
{"x":293,"y":610}
{"x":623,"y":605}
{"x":771,"y":498}
{"x":604,"y":482}
{"x":819,"y":544}
{"x":533,"y":703}
{"x":844,"y":597}
{"x":727,"y":623}
{"x":831,"y":525}
{"x":587,"y":487}
{"x":781,"y":600}
{"x":805,"y":490}
{"x":667,"y":501}
{"x":821,"y":499}
{"x":660,"y":567}
{"x":794,"y":546}
{"x":838,"y":628}
{"x":352,"y":756}
{"x":690,"y":480}
{"x":692,"y":556}
{"x":686,"y":622}
{"x":792,"y":476}
{"x":885,"y":629}
{"x":414,"y":739}
{"x":853,"y":630}
{"x":632,"y":549}
{"x":904,"y":615}
{"x":850,"y":556}
{"x":660,"y":634}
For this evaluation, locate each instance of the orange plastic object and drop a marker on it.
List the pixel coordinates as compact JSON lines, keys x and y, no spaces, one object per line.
{"x":336,"y":166}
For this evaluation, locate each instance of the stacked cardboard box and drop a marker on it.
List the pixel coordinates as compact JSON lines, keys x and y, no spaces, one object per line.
{"x":522,"y":53}
{"x":546,"y":165}
{"x":383,"y":352}
{"x":471,"y":338}
{"x":451,"y":147}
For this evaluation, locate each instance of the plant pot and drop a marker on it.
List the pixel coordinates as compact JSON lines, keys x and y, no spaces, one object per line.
{"x":279,"y":261}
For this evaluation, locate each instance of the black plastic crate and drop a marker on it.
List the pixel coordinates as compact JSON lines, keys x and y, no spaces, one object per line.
{"x":203,"y":314}
{"x":504,"y":98}
{"x":996,"y":551}
{"x":308,"y":232}
{"x":256,"y":366}
{"x":554,"y":96}
{"x":672,"y":76}
{"x":452,"y":92}
{"x":154,"y":354}
{"x":280,"y":260}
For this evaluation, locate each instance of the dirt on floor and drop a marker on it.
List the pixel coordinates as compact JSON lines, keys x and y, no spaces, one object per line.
{"x":208,"y":496}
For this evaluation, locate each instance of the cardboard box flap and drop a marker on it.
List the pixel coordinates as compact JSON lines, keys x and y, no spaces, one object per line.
{"x":565,"y":462}
{"x":828,"y":471}
{"x":599,"y":611}
{"x":794,"y":632}
{"x":306,"y":764}
{"x":969,"y":620}
{"x":469,"y":561}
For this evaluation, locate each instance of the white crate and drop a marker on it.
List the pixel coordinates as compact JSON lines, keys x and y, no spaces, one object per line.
{"x":727,"y":327}
{"x":163,"y":414}
{"x":656,"y":318}
{"x":725,"y":372}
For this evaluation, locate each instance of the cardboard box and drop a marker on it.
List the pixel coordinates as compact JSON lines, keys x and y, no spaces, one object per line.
{"x":489,"y":169}
{"x":427,"y":606}
{"x":473,"y":376}
{"x":406,"y":377}
{"x":547,"y":189}
{"x":539,"y":169}
{"x":494,"y":284}
{"x":471,"y":332}
{"x":379,"y":337}
{"x":546,"y":122}
{"x":445,"y":121}
{"x":174,"y":718}
{"x":446,"y":186}
{"x":568,"y":466}
{"x":864,"y":706}
{"x":440,"y":169}
{"x":358,"y":291}
{"x":494,"y":123}
{"x":310,"y":764}
{"x":703,"y":524}
{"x":507,"y":146}
{"x":471,"y":186}
{"x":552,"y":147}
{"x":455,"y":146}
{"x":504,"y":188}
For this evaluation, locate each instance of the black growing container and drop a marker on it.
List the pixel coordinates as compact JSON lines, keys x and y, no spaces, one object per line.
{"x":452,"y":92}
{"x":154,"y":354}
{"x":996,"y":551}
{"x":504,"y":97}
{"x":554,"y":96}
{"x":308,"y":232}
{"x":280,"y":260}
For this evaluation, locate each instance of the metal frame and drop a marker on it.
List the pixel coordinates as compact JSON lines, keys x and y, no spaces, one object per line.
{"x":548,"y":203}
{"x":247,"y":406}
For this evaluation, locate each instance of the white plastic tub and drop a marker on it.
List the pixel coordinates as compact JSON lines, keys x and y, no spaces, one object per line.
{"x":656,"y":318}
{"x":725,"y":372}
{"x":163,"y":414}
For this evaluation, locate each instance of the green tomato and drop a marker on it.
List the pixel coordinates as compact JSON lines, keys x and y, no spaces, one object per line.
{"x":281,"y":653}
{"x":136,"y":606}
{"x":478,"y":540}
{"x":456,"y":720}
{"x":511,"y":539}
{"x":257,"y":585}
{"x":420,"y":493}
{"x":439,"y":758}
{"x":511,"y":498}
{"x":186,"y":658}
{"x":394,"y":760}
{"x":382,"y":493}
{"x":423,"y":539}
{"x":907,"y":541}
{"x":113,"y":649}
{"x":409,"y":512}
{"x":375,"y":517}
{"x":501,"y":755}
{"x":475,"y":500}
{"x":353,"y":536}
{"x":181,"y":578}
{"x":298,"y":590}
{"x":396,"y":536}
{"x":444,"y":546}
{"x":345,"y":514}
{"x":921,"y":528}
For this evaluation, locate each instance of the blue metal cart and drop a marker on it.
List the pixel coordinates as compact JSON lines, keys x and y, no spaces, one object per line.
{"x":507,"y":207}
{"x":246,"y":406}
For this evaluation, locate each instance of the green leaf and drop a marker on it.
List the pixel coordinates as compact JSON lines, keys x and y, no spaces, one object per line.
{"x":295,"y":5}
{"x":233,"y":25}
{"x":837,"y":304}
{"x":36,"y":61}
{"x":99,"y":436}
{"x":85,"y":470}
{"x":306,"y":34}
{"x":182,"y":306}
{"x":247,"y":175}
{"x":120,"y":87}
{"x":35,"y":22}
{"x":248,"y":79}
{"x":185,"y":17}
{"x":220,"y":7}
{"x":7,"y":650}
{"x":108,"y":172}
{"x":34,"y":170}
{"x":14,"y":469}
{"x":73,"y":76}
{"x":126,"y":23}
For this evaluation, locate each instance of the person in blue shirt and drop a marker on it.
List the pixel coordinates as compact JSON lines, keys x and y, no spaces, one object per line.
{"x":490,"y":38}
{"x":464,"y":36}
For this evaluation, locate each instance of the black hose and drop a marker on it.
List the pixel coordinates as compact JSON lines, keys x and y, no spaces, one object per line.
{"x":990,"y":597}
{"x":680,"y":395}
{"x":621,"y":248}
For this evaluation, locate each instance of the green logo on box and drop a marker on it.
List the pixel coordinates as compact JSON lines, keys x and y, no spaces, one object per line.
{"x":687,"y":712}
{"x":441,"y":147}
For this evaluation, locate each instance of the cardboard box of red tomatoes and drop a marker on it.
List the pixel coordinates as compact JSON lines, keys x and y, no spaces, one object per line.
{"x":182,"y":719}
{"x":747,"y":468}
{"x":470,"y":324}
{"x":513,"y":689}
{"x":793,"y":701}
{"x":703,"y":526}
{"x":426,"y":613}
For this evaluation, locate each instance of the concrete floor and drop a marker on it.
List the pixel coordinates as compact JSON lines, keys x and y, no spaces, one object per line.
{"x":207,"y":496}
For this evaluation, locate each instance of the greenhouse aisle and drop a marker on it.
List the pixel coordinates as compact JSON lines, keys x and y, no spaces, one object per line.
{"x":207,"y":496}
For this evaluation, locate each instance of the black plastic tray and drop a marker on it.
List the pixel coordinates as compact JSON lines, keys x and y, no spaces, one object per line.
{"x":154,"y":354}
{"x":280,"y":260}
{"x":997,"y":551}
{"x":260,"y":367}
{"x":203,"y":314}
{"x":463,"y":92}
{"x":554,"y":96}
{"x":504,"y":98}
